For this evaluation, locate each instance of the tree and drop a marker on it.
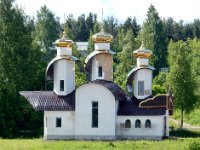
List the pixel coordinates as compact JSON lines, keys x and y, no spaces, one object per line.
{"x":155,"y":39}
{"x":110,"y":26}
{"x":47,"y":31}
{"x":131,"y":24}
{"x":196,"y":28}
{"x":18,"y":66}
{"x":194,"y":44}
{"x":125,"y":60}
{"x":83,"y":35}
{"x":180,"y":77}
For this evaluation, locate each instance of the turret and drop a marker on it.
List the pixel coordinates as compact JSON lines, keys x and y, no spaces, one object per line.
{"x":99,"y":63}
{"x":62,"y":68}
{"x":141,"y":74}
{"x":64,"y":46}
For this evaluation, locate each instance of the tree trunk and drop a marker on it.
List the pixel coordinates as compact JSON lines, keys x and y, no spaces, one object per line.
{"x":181,"y":118}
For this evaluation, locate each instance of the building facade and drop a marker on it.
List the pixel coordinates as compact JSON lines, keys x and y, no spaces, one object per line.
{"x":100,"y":109}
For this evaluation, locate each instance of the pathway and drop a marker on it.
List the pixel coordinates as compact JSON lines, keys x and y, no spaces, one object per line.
{"x":185,"y":125}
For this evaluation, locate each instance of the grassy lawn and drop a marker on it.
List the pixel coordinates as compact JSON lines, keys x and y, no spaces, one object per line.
{"x":40,"y":144}
{"x":192,"y":118}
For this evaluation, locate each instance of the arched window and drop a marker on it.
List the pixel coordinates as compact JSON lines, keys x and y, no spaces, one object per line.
{"x":148,"y":124}
{"x":137,"y":123}
{"x":127,"y":123}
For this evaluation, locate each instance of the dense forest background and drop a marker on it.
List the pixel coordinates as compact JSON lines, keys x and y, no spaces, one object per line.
{"x":26,"y":47}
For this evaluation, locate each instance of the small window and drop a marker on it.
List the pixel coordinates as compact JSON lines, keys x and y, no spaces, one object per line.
{"x":61,"y":85}
{"x":140,"y":88}
{"x":95,"y":115}
{"x":148,"y":124}
{"x":137,"y":123}
{"x":100,"y":71}
{"x":127,"y":123}
{"x":58,"y":122}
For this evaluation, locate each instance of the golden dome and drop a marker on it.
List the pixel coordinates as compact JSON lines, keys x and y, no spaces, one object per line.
{"x":64,"y":42}
{"x":102,"y":37}
{"x":142,"y":52}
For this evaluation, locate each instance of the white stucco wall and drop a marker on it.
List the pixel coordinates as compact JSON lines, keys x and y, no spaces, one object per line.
{"x":156,"y":130}
{"x":66,"y":131}
{"x":64,"y":51}
{"x":95,"y":65}
{"x":102,"y":46}
{"x":64,"y":70}
{"x":142,"y":62}
{"x":85,"y":95}
{"x":146,"y":76}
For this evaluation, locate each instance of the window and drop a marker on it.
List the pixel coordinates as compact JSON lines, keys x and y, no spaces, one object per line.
{"x":148,"y":124}
{"x":58,"y":122}
{"x":141,"y":88}
{"x":94,"y":114}
{"x":127,"y":123}
{"x":137,"y":123}
{"x":61,"y":85}
{"x":100,"y":71}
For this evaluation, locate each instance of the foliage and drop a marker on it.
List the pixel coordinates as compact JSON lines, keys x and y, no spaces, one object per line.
{"x":157,"y":89}
{"x":80,"y":76}
{"x":191,"y":118}
{"x":180,"y":77}
{"x":18,"y":71}
{"x":126,"y":60}
{"x":47,"y":30}
{"x":23,"y":64}
{"x":155,"y":39}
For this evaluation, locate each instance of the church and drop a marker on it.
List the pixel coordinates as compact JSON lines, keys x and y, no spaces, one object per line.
{"x":100,"y":109}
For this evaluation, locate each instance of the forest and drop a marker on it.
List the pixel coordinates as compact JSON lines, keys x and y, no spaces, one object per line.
{"x":26,"y":47}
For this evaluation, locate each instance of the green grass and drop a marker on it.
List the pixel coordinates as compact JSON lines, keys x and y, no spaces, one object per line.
{"x":39,"y":144}
{"x":192,"y":118}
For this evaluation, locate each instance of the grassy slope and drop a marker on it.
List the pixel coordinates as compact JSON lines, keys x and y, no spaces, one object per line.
{"x":192,"y":118}
{"x":37,"y":144}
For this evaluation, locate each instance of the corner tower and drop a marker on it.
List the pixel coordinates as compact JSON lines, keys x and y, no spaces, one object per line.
{"x":141,"y":74}
{"x":62,"y":68}
{"x":99,"y":63}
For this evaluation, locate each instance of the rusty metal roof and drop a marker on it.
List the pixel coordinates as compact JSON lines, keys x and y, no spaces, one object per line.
{"x":50,"y":101}
{"x":130,"y":78}
{"x":49,"y":69}
{"x":112,"y":87}
{"x":88,"y":59}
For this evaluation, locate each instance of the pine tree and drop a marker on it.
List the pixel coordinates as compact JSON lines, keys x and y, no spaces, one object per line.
{"x":155,"y":39}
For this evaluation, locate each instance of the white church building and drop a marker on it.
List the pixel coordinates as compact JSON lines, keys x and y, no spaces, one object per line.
{"x":100,"y":109}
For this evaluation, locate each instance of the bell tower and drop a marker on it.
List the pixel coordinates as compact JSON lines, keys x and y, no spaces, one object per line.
{"x":99,"y":63}
{"x":141,"y":74}
{"x":62,"y":68}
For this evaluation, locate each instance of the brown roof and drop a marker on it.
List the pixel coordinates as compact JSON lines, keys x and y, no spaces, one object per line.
{"x":131,"y":108}
{"x":112,"y":87}
{"x":159,"y":101}
{"x":50,"y":101}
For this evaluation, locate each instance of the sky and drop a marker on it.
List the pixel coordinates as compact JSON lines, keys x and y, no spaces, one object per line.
{"x":186,"y":10}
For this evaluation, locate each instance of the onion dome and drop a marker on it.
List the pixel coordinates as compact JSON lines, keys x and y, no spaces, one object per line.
{"x":102,"y":37}
{"x":142,"y":52}
{"x":64,"y":41}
